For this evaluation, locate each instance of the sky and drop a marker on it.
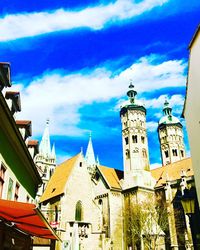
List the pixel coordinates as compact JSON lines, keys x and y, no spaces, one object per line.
{"x":72,"y":62}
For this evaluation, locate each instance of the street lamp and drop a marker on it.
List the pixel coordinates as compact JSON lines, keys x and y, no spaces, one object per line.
{"x":188,"y":203}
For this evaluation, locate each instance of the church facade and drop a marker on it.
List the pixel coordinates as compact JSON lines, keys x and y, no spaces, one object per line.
{"x":95,"y":207}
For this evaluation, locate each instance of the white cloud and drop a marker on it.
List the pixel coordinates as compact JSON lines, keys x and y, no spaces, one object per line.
{"x":15,"y":26}
{"x":59,"y":97}
{"x":151,"y":126}
{"x":175,"y":101}
{"x":155,"y":165}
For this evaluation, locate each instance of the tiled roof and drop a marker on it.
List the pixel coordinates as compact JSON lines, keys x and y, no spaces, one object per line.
{"x":172,"y":171}
{"x":110,"y":176}
{"x":59,"y":179}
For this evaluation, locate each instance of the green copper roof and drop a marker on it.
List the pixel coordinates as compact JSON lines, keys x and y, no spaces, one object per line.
{"x":168,"y":118}
{"x":131,"y":103}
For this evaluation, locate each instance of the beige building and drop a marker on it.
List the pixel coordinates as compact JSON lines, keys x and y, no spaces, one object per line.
{"x":95,"y":207}
{"x":192,"y":105}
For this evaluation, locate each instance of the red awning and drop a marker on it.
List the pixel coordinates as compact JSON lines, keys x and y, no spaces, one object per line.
{"x":27,"y":218}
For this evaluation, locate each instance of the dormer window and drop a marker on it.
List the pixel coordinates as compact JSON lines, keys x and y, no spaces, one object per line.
{"x":25,"y":128}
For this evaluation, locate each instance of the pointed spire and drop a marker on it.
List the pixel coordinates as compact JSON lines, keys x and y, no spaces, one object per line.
{"x":89,"y":156}
{"x":131,"y":93}
{"x":97,"y":160}
{"x":44,"y":147}
{"x":53,"y":152}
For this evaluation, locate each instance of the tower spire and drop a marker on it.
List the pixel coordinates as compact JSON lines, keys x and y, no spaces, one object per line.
{"x":131,"y":92}
{"x":44,"y":147}
{"x":89,"y":156}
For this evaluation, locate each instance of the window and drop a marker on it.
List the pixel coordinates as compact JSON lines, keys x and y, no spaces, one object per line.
{"x":127,"y":154}
{"x":45,"y":172}
{"x":27,"y":199}
{"x":80,"y":164}
{"x":56,"y":213}
{"x":126,"y":140}
{"x":2,"y":176}
{"x":144,"y":153}
{"x":97,"y":176}
{"x":182,"y":153}
{"x":10,"y":189}
{"x":134,"y":138}
{"x":79,"y":211}
{"x":174,"y":152}
{"x":16,"y":192}
{"x":142,"y":139}
{"x":166,"y":153}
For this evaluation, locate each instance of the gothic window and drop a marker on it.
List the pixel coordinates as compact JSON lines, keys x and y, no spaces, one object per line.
{"x":79,"y":211}
{"x":182,"y":153}
{"x":2,"y":177}
{"x":134,"y":138}
{"x":126,"y":140}
{"x":166,"y":153}
{"x":127,"y":154}
{"x":142,"y":139}
{"x":174,"y":152}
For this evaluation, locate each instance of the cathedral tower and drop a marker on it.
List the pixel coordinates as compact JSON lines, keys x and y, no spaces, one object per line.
{"x":45,"y":160}
{"x":134,"y":142}
{"x":170,"y":134}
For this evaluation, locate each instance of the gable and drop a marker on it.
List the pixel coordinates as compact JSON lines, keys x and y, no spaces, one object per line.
{"x":56,"y":184}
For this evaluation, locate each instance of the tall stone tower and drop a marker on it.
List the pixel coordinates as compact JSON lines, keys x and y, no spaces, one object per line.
{"x":45,"y":160}
{"x":170,"y":134}
{"x":134,"y":142}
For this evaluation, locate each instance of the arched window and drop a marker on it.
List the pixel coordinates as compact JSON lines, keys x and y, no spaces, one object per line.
{"x":134,"y":138}
{"x":79,"y":211}
{"x":127,"y":154}
{"x":144,"y":153}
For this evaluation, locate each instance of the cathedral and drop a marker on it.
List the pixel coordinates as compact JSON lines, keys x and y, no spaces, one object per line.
{"x":95,"y":207}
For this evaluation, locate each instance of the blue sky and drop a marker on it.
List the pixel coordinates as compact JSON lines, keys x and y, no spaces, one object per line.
{"x":72,"y":62}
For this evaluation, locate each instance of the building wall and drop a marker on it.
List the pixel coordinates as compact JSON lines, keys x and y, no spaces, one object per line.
{"x":11,"y":160}
{"x":79,"y":187}
{"x":116,"y":219}
{"x":192,"y":107}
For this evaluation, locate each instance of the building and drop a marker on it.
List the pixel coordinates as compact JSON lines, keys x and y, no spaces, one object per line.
{"x":20,"y":219}
{"x":96,"y":207}
{"x":192,"y":105}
